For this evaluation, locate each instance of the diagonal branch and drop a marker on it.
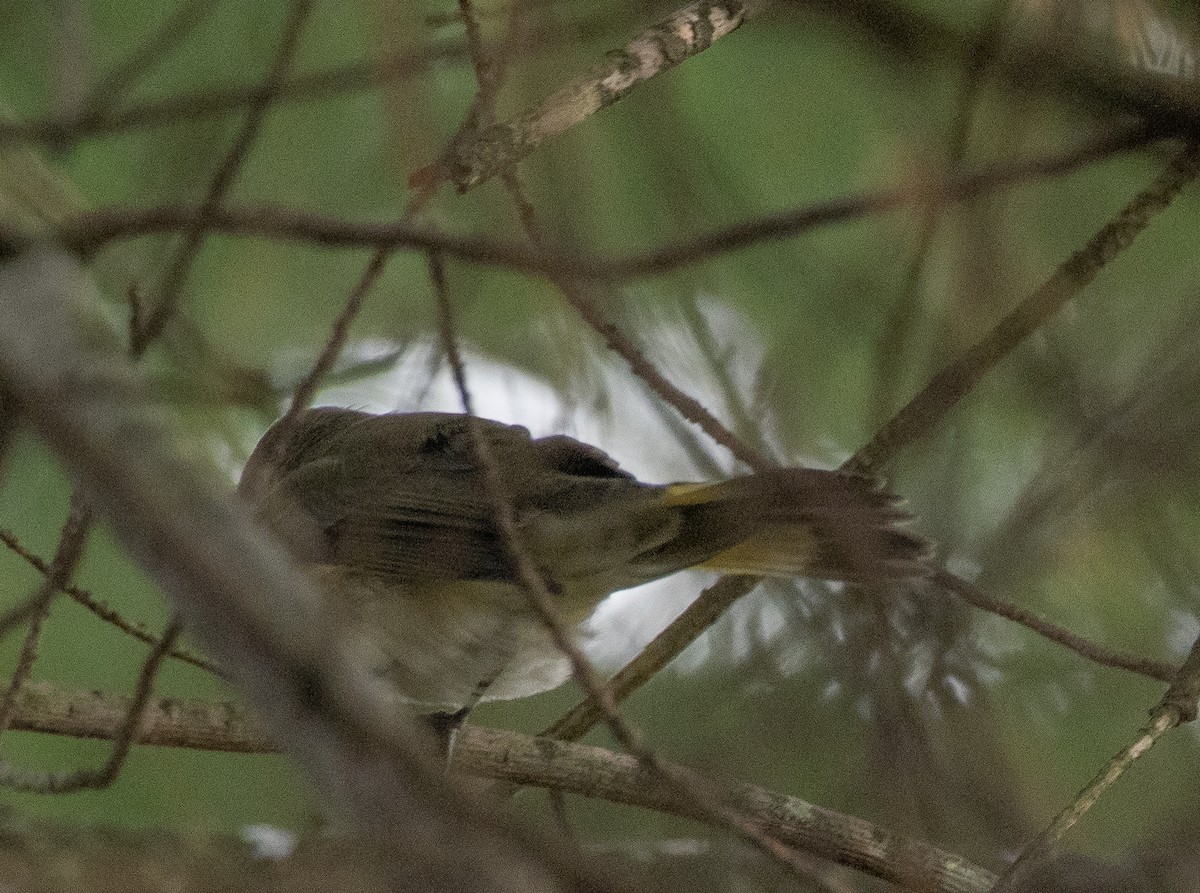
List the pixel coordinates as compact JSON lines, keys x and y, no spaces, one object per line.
{"x":1162,"y":721}
{"x":67,"y":556}
{"x":946,"y":389}
{"x":218,"y":188}
{"x":689,"y":31}
{"x":82,"y":597}
{"x":702,"y":613}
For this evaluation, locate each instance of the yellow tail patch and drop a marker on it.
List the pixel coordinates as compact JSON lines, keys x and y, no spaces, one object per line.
{"x":783,"y":551}
{"x":691,"y":494}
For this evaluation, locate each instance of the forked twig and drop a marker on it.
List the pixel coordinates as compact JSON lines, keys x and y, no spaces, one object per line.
{"x":82,"y":597}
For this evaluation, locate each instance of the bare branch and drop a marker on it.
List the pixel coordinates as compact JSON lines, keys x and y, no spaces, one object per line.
{"x":94,"y":230}
{"x":304,"y":391}
{"x":1161,"y":722}
{"x":523,"y":760}
{"x":123,"y":738}
{"x":702,"y":613}
{"x":689,"y":31}
{"x":944,"y":391}
{"x":1109,"y":657}
{"x":82,"y":597}
{"x":222,"y":182}
{"x":169,"y":35}
{"x":67,"y":556}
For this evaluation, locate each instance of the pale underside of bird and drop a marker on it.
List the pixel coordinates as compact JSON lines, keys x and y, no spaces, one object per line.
{"x":391,"y":516}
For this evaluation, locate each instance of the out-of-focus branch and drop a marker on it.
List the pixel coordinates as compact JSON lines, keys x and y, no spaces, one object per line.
{"x":243,"y":599}
{"x":222,"y":181}
{"x":944,"y":391}
{"x":1180,"y":699}
{"x":89,"y":232}
{"x":170,"y":33}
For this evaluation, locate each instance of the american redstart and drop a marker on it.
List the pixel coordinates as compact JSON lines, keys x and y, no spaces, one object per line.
{"x":391,"y":516}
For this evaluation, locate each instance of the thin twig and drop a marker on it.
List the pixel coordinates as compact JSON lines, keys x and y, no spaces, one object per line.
{"x":1165,"y":382}
{"x":126,"y":733}
{"x":640,"y":364}
{"x":67,"y":556}
{"x":1163,"y":720}
{"x":537,"y":588}
{"x":200,"y":105}
{"x":303,"y":393}
{"x":750,"y":432}
{"x":696,"y":618}
{"x":222,"y":182}
{"x":170,"y":33}
{"x":944,"y":391}
{"x":19,"y":613}
{"x":82,"y":597}
{"x":91,"y":231}
{"x":898,"y":327}
{"x":490,"y":69}
{"x":1109,"y":657}
{"x":714,"y":601}
{"x":124,"y":738}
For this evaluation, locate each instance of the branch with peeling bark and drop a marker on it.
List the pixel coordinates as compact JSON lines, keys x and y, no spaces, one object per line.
{"x":524,"y":760}
{"x":688,"y":31}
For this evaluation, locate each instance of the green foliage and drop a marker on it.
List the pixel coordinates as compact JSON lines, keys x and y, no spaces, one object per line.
{"x":789,"y":111}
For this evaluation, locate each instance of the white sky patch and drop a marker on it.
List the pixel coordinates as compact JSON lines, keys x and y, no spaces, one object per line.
{"x":1185,"y":628}
{"x":269,"y":842}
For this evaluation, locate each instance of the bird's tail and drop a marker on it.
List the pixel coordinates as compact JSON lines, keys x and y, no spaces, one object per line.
{"x":795,"y":522}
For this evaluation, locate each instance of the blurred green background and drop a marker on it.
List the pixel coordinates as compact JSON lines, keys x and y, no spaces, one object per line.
{"x":1066,"y":481}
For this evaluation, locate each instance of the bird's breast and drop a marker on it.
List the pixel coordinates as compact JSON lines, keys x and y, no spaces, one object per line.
{"x":438,"y":642}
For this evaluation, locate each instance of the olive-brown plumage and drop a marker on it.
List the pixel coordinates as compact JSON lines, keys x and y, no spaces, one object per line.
{"x":391,"y":516}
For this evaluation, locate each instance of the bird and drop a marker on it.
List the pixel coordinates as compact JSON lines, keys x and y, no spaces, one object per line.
{"x":391,"y":517}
